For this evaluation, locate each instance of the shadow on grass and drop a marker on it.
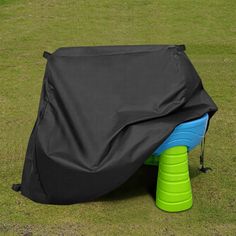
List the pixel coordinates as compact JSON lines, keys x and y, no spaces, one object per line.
{"x":143,"y":182}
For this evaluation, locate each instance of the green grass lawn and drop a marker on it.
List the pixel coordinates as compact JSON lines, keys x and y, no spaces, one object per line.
{"x":208,"y":28}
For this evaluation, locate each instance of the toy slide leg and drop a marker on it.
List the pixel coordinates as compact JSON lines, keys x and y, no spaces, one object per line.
{"x":173,"y":184}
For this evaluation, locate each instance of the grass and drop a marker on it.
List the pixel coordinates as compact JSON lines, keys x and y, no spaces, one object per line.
{"x":208,"y":28}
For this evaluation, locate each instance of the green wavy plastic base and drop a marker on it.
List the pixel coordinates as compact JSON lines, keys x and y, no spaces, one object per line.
{"x":173,"y":185}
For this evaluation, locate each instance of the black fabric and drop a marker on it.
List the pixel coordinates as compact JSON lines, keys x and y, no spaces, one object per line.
{"x":103,"y":111}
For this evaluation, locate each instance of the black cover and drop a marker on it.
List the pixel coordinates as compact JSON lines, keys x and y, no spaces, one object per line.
{"x":103,"y":111}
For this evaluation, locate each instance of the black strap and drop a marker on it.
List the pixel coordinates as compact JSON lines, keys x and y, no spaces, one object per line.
{"x":202,"y":158}
{"x":181,"y":47}
{"x":16,"y":187}
{"x":46,"y":54}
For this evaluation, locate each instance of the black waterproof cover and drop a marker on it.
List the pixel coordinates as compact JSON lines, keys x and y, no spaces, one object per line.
{"x":103,"y":111}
